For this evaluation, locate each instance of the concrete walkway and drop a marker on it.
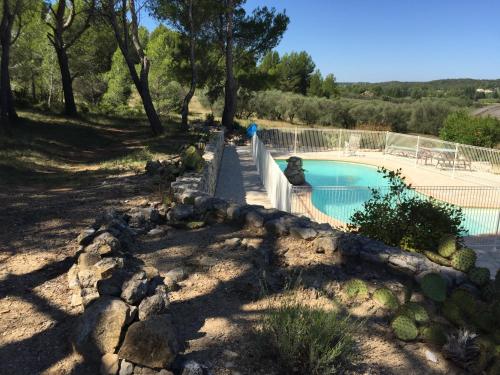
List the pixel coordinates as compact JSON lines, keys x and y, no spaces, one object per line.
{"x":238,"y":180}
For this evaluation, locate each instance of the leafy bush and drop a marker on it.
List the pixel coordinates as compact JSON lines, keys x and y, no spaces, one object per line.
{"x":400,"y":214}
{"x":309,"y":341}
{"x":461,"y":127}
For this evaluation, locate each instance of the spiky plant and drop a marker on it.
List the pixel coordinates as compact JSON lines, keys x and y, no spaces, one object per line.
{"x":386,"y":298}
{"x":489,"y":291}
{"x":434,"y":334}
{"x":464,"y":259}
{"x":436,"y":258}
{"x":464,"y":300}
{"x":462,"y":348}
{"x":479,"y":275}
{"x":356,"y":288}
{"x":404,"y":328}
{"x":452,"y":312}
{"x":447,"y":245}
{"x":434,"y":286}
{"x":415,"y":312}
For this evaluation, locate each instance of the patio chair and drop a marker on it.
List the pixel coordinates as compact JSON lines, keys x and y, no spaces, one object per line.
{"x":448,"y":160}
{"x":351,"y":147}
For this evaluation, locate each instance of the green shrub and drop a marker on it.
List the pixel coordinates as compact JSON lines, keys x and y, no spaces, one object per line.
{"x":386,"y":298}
{"x":403,"y":214}
{"x":309,"y":341}
{"x":356,"y":288}
{"x":461,"y":127}
{"x":434,"y":287}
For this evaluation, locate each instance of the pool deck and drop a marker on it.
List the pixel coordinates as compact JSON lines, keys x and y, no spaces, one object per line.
{"x":238,"y":180}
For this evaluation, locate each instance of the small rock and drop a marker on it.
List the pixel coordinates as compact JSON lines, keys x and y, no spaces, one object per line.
{"x":87,"y":260}
{"x":73,"y":281}
{"x":150,"y":342}
{"x":156,"y":231}
{"x":151,"y":272}
{"x":89,"y":295}
{"x":192,"y":368}
{"x":135,"y":289}
{"x":254,"y":220}
{"x":304,"y":233}
{"x":104,"y":244}
{"x":176,"y":274}
{"x":106,"y":266}
{"x":126,"y":368}
{"x":109,"y":364}
{"x":180,"y":212}
{"x":87,"y":278}
{"x":232,"y":243}
{"x":431,"y":356}
{"x":165,"y":372}
{"x":153,"y":305}
{"x":86,"y":237}
{"x":132,"y":313}
{"x":327,"y":245}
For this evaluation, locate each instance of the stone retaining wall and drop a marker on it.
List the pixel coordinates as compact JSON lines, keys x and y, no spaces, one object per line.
{"x":204,"y":182}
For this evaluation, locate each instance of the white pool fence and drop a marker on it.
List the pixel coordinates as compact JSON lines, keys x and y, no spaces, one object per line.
{"x":336,"y":204}
{"x":469,"y":163}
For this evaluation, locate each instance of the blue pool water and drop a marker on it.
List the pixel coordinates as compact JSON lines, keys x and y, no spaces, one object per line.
{"x":341,"y":203}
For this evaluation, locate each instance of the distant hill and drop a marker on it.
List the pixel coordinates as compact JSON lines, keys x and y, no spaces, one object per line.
{"x":440,"y":83}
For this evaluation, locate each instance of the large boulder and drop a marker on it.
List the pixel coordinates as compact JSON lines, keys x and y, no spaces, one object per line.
{"x":151,"y":342}
{"x":99,"y":328}
{"x":294,"y":172}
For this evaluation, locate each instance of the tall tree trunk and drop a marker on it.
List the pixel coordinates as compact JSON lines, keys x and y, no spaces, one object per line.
{"x":192,"y":88}
{"x":67,"y":82}
{"x":141,"y":83}
{"x":7,"y":110}
{"x":230,"y":86}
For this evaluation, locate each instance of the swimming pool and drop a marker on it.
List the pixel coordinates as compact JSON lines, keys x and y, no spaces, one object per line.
{"x":352,"y":182}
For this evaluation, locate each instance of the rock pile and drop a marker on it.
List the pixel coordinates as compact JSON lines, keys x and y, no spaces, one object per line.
{"x":126,"y":320}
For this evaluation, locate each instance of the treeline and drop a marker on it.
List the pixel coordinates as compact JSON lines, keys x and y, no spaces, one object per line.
{"x":469,"y":89}
{"x":421,"y":116}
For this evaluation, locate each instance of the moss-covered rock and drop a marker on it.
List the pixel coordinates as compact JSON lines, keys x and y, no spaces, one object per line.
{"x":192,"y":159}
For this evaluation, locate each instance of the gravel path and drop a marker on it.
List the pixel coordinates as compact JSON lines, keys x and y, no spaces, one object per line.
{"x":238,"y":179}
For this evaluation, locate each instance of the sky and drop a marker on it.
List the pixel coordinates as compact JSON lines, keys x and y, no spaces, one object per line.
{"x":393,"y":40}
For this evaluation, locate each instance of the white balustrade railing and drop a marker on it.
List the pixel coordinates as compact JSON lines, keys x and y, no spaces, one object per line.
{"x":277,"y":186}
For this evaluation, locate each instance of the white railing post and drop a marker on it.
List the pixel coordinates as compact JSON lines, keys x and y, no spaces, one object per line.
{"x":295,"y":142}
{"x":416,"y":151}
{"x":455,"y":159}
{"x":340,"y":141}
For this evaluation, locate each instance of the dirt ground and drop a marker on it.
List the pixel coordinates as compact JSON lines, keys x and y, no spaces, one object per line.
{"x":218,"y":306}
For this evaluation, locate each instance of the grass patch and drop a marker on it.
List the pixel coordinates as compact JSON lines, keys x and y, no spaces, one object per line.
{"x":306,"y":340}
